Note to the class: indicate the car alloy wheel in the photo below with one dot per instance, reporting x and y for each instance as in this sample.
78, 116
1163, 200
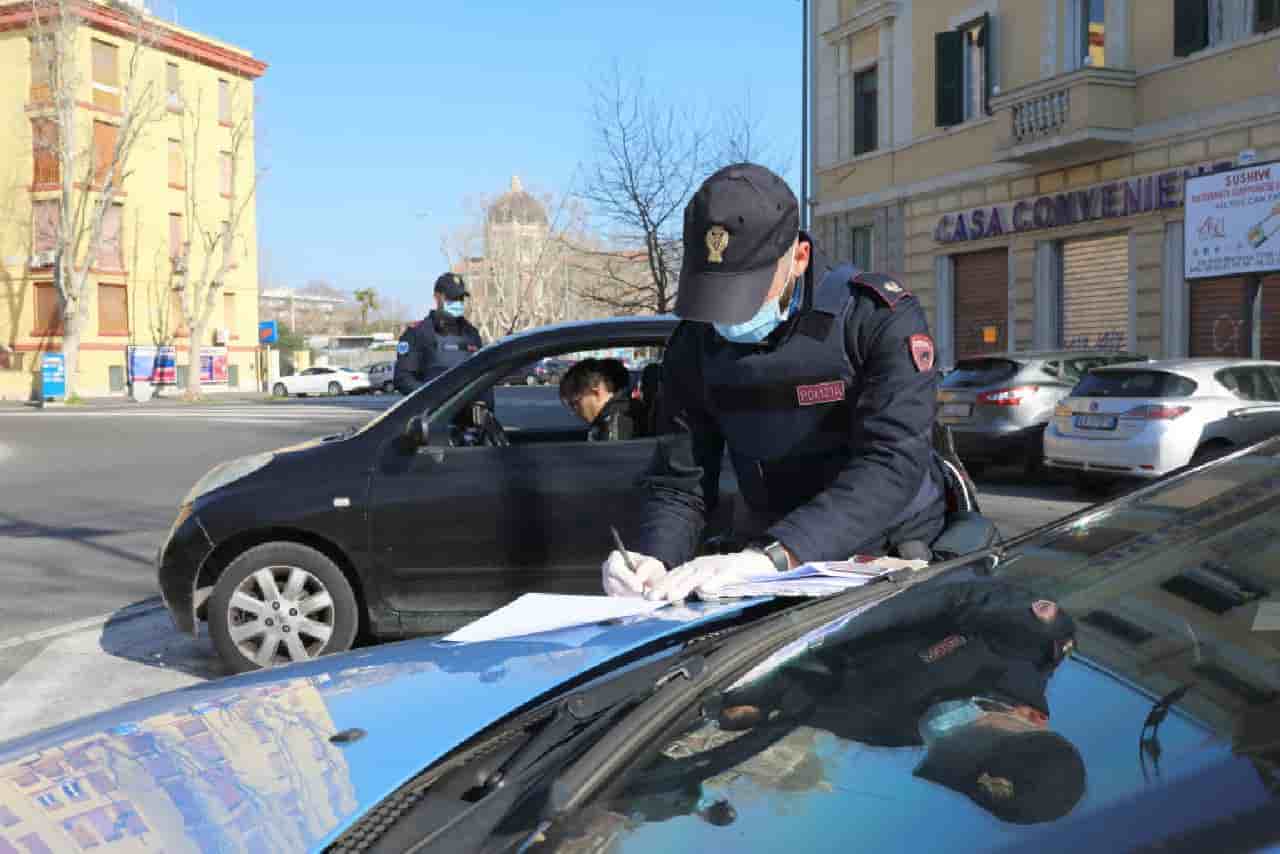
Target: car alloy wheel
530, 380
335, 389
388, 387
281, 603
280, 390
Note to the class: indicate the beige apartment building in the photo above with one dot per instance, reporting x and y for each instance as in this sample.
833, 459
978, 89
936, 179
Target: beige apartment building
1020, 163
132, 294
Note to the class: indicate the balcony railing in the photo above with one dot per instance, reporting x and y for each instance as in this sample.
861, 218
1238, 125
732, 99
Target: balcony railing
1089, 111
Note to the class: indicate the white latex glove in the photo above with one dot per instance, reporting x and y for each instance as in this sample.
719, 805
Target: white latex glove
620, 581
708, 575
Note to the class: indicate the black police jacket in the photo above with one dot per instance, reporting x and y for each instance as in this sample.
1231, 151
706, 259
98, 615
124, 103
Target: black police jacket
616, 421
432, 346
828, 424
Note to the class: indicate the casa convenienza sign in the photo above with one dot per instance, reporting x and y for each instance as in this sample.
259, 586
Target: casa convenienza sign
1109, 200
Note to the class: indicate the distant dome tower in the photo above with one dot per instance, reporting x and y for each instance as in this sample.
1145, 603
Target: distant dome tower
516, 222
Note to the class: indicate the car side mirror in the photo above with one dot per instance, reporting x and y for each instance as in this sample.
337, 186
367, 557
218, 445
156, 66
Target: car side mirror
416, 432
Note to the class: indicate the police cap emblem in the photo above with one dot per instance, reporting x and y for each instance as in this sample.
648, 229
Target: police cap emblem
717, 242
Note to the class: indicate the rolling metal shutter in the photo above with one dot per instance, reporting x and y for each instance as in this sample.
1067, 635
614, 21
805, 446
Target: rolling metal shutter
1271, 316
1095, 293
982, 302
1220, 318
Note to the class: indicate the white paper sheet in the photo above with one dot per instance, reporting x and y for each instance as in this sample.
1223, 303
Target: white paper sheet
544, 612
819, 578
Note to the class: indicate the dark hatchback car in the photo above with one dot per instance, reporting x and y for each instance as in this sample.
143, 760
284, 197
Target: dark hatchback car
998, 405
433, 513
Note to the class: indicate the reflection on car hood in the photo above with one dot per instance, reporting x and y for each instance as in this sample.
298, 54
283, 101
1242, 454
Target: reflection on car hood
248, 761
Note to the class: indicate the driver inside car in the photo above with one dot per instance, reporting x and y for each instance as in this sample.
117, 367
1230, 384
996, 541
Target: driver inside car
598, 392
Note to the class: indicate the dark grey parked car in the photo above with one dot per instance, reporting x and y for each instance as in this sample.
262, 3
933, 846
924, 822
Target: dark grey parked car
997, 405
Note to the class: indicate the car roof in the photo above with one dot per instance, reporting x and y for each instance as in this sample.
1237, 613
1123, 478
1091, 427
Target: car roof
1027, 355
1198, 366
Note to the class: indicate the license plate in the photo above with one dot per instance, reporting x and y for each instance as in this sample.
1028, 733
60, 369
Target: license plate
1096, 422
956, 410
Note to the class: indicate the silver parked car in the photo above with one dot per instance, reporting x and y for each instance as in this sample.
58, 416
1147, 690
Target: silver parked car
1150, 419
381, 376
997, 405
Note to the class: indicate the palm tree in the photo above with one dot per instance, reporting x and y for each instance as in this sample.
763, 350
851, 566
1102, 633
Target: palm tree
368, 299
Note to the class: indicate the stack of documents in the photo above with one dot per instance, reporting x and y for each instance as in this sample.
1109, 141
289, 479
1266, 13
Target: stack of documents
819, 578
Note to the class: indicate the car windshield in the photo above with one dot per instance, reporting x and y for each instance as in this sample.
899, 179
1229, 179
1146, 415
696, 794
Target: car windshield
972, 373
1013, 709
1134, 384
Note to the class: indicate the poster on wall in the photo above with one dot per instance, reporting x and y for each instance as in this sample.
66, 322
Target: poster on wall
155, 365
1232, 225
213, 365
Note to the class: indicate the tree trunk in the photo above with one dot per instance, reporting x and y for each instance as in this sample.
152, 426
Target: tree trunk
195, 342
71, 331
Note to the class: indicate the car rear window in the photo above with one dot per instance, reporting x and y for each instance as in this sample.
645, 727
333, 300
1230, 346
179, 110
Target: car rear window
1134, 384
971, 373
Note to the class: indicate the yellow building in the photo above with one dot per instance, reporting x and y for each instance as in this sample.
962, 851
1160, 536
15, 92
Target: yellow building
131, 299
1020, 163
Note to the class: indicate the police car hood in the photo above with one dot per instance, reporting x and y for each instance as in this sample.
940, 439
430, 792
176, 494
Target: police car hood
253, 760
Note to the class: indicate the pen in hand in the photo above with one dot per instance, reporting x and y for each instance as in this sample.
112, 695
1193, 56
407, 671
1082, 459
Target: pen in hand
626, 556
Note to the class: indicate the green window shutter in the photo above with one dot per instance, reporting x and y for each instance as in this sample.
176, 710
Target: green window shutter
1190, 26
987, 82
948, 76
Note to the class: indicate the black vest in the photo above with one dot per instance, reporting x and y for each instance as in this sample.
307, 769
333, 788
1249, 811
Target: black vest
450, 350
787, 410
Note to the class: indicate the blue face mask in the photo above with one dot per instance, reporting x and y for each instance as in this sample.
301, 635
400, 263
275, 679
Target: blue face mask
455, 308
767, 319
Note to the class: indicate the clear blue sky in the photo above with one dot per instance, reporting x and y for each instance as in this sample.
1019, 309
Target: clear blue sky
377, 123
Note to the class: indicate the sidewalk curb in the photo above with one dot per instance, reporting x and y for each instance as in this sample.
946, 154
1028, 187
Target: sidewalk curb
129, 612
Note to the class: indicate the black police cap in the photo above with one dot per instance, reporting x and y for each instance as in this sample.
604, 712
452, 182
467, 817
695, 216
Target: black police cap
1025, 777
452, 286
736, 227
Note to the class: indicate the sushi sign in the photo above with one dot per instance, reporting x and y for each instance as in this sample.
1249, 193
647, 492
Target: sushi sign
1232, 225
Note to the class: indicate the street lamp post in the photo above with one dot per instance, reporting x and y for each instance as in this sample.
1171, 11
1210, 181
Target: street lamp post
804, 114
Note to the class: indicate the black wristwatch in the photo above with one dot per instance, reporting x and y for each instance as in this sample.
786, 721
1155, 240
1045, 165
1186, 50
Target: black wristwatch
774, 551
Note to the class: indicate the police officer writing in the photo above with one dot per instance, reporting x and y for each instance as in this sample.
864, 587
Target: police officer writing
818, 380
439, 341
597, 391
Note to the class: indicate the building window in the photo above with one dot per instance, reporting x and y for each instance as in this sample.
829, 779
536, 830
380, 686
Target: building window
104, 153
111, 243
862, 247
962, 73
229, 312
224, 102
44, 151
46, 214
1198, 24
42, 55
48, 319
1090, 40
1266, 15
226, 171
177, 172
176, 236
113, 318
173, 87
865, 112
106, 76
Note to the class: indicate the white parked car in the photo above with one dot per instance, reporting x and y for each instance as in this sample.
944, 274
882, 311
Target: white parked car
331, 381
1145, 420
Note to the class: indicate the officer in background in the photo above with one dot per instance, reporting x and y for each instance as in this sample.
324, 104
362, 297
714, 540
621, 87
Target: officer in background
598, 392
439, 341
819, 382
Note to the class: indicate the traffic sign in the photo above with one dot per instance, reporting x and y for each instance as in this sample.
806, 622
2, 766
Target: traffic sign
268, 332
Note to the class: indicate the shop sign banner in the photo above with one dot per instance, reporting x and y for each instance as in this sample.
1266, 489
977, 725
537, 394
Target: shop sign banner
1232, 225
1111, 200
213, 365
155, 365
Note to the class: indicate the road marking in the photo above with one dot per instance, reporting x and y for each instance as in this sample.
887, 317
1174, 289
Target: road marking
128, 613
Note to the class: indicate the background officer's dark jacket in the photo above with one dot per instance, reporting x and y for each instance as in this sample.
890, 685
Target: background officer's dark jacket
616, 421
432, 346
840, 476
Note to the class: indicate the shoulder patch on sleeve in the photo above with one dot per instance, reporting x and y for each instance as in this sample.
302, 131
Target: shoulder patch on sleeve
885, 287
402, 348
922, 352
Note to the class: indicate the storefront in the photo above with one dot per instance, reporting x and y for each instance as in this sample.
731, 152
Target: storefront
981, 302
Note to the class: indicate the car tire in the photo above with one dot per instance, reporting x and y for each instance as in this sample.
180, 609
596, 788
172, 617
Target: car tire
279, 390
250, 633
531, 381
1210, 451
388, 387
975, 469
335, 389
1093, 486
1033, 462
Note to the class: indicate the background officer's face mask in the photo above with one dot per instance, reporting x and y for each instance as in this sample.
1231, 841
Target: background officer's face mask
767, 319
455, 308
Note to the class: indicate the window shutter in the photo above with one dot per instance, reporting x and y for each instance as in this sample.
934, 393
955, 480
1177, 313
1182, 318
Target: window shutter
229, 311
175, 235
986, 63
44, 138
104, 151
45, 215
224, 101
948, 73
225, 169
1190, 26
113, 310
48, 319
177, 174
110, 249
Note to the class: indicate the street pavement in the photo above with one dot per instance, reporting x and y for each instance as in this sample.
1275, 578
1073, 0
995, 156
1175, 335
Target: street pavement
87, 494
